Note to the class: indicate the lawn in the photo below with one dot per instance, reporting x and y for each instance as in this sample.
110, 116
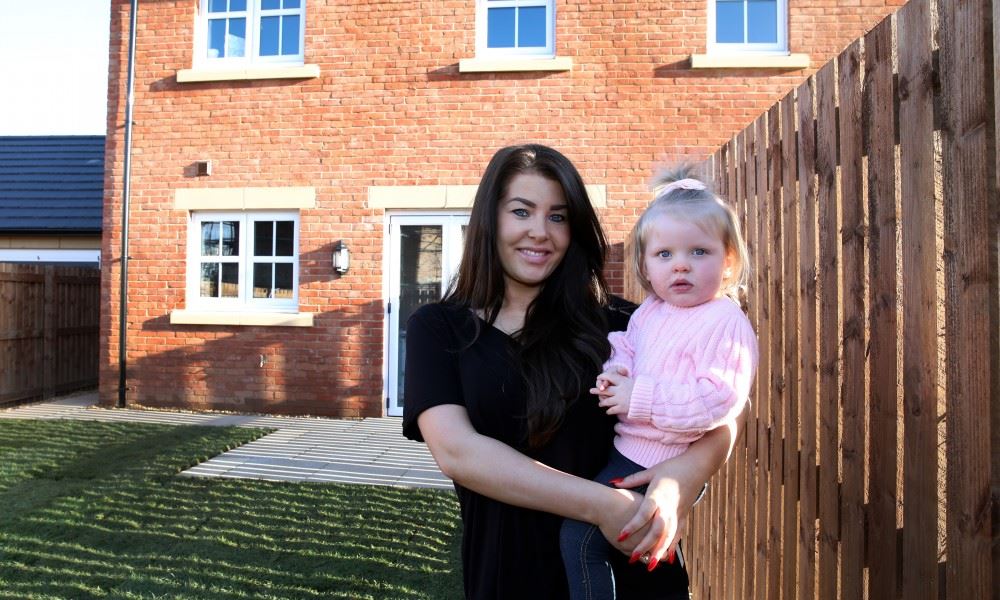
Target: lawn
97, 510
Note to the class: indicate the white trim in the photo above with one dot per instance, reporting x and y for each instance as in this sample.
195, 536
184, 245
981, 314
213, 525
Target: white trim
50, 255
194, 317
779, 47
482, 28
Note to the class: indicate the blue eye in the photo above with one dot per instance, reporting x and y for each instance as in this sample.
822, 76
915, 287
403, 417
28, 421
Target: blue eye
520, 212
664, 254
700, 252
557, 218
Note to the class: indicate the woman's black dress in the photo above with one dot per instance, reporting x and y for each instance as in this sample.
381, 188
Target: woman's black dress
508, 551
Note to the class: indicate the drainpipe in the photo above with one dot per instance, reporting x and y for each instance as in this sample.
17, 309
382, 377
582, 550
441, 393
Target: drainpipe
123, 296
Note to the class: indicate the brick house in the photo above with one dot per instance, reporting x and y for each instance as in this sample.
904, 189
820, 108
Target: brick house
269, 134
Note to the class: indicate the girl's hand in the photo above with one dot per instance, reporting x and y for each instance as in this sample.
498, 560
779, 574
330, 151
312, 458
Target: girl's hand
614, 390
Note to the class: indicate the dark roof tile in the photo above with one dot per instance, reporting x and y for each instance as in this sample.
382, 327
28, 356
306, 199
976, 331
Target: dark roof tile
51, 183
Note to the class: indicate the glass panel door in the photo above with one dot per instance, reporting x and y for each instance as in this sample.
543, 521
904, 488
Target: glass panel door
424, 254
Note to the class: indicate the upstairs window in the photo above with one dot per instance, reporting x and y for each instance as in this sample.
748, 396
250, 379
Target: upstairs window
241, 32
737, 26
243, 261
521, 28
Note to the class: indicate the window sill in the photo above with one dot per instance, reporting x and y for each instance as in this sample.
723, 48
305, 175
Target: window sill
195, 317
260, 72
496, 65
750, 61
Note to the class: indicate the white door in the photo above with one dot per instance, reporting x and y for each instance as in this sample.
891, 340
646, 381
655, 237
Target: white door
423, 257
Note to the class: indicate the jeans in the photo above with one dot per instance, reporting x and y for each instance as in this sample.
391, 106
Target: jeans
585, 552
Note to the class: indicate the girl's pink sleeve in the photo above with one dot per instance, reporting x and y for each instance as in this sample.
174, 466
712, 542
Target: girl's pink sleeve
715, 391
623, 342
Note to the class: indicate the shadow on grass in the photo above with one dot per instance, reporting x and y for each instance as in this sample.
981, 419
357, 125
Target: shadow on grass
96, 510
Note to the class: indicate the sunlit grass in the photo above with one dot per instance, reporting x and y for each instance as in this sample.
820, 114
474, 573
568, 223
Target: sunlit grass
96, 510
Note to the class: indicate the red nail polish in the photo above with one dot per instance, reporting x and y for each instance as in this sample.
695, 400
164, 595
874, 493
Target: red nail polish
671, 556
635, 557
616, 480
624, 534
652, 564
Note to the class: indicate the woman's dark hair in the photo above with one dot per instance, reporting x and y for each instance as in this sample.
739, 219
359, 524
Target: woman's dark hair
563, 342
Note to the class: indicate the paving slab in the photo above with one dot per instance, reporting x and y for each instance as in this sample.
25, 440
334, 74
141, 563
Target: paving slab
367, 451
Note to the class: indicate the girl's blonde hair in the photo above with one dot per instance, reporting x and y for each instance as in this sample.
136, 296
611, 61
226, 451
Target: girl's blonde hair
693, 201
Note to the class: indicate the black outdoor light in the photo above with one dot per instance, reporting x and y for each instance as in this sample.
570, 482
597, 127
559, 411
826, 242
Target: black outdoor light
341, 257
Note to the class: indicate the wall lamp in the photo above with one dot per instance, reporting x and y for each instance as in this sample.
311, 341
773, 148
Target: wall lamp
341, 257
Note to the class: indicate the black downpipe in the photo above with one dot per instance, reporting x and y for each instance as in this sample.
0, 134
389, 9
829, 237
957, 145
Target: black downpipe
123, 297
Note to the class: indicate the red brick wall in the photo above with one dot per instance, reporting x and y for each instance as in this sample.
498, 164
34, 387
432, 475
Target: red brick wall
390, 108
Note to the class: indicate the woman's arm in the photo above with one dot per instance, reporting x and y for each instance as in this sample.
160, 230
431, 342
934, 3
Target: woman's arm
494, 469
674, 485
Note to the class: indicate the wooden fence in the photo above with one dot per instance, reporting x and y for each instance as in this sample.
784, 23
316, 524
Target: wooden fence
869, 468
49, 328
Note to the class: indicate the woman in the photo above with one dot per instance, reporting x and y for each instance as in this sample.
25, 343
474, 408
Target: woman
497, 384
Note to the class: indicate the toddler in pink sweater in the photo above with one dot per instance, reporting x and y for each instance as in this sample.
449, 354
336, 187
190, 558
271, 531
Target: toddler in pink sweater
686, 362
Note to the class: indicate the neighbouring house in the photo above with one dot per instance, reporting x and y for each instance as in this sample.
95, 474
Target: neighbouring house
275, 139
51, 197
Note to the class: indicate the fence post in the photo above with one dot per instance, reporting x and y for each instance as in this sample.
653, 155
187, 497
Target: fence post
970, 247
49, 334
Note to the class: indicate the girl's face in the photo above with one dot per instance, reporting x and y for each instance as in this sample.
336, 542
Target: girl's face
684, 263
532, 231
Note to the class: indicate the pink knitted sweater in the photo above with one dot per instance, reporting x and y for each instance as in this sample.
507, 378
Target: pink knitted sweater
692, 369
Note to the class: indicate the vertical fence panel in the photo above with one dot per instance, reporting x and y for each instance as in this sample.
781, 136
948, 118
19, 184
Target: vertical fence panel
970, 209
808, 492
882, 322
790, 266
919, 302
776, 377
728, 576
853, 396
829, 329
995, 404
753, 450
740, 552
764, 333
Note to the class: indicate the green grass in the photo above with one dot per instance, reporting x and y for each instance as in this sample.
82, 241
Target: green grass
96, 510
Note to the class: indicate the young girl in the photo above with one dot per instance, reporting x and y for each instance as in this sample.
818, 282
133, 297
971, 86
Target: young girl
685, 363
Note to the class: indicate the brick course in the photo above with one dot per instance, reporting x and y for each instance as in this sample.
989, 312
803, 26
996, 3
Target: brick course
390, 108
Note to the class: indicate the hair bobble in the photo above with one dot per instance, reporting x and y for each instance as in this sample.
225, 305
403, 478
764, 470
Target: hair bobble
681, 184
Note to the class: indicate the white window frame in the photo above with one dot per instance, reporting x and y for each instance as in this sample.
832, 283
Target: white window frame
244, 302
779, 47
482, 51
252, 52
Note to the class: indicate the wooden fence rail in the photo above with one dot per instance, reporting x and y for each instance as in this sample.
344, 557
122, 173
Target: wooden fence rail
49, 328
870, 465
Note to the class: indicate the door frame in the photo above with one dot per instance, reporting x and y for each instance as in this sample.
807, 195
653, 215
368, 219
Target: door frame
390, 283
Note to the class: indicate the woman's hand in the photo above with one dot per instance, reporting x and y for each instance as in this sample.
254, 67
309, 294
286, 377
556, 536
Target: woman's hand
613, 518
659, 519
673, 487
